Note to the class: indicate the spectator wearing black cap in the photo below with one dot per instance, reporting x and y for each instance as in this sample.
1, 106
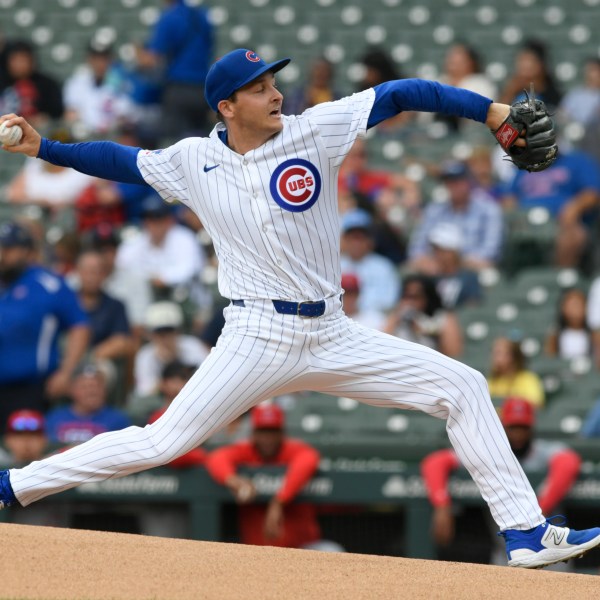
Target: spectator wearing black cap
472, 210
27, 91
94, 96
173, 377
36, 307
111, 337
124, 284
380, 281
165, 253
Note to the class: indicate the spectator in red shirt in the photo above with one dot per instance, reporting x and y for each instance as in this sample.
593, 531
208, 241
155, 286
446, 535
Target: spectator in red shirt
358, 177
281, 522
518, 417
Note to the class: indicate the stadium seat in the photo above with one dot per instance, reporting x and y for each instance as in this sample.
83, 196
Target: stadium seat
561, 420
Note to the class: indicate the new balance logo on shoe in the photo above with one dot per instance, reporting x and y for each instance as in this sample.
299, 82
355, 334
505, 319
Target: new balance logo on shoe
547, 544
557, 535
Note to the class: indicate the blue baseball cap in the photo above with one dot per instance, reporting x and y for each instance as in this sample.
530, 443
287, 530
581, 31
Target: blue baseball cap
356, 219
12, 234
154, 207
453, 169
233, 71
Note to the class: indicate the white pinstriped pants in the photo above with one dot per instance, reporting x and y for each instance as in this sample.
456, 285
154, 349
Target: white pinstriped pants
261, 354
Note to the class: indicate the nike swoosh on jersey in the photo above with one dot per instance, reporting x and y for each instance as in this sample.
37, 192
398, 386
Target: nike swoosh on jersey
207, 168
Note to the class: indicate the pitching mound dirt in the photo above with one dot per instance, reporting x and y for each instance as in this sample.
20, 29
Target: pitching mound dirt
65, 564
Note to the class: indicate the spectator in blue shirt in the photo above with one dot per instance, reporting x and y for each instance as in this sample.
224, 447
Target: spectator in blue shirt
110, 332
380, 280
591, 424
456, 285
87, 415
472, 211
181, 45
36, 307
570, 191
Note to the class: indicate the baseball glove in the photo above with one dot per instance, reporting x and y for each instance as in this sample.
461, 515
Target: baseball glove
532, 116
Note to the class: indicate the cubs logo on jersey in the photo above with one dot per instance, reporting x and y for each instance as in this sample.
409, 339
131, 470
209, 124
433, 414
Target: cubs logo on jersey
295, 185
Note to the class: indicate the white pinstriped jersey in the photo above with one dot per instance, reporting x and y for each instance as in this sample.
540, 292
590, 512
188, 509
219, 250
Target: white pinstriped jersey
271, 213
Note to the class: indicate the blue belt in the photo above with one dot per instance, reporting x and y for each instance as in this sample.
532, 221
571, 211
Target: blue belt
301, 309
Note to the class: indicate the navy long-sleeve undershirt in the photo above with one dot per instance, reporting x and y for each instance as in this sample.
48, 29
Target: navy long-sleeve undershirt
110, 160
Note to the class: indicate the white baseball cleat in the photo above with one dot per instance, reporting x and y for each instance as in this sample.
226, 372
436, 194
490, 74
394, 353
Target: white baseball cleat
547, 544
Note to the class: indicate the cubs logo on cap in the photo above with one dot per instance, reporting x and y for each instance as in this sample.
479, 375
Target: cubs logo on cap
233, 71
295, 185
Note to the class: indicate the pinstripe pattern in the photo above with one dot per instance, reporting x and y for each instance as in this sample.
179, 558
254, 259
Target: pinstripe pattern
268, 252
261, 354
265, 251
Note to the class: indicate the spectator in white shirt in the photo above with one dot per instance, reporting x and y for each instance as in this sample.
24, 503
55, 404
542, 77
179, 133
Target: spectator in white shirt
379, 279
48, 186
166, 254
369, 318
94, 95
164, 321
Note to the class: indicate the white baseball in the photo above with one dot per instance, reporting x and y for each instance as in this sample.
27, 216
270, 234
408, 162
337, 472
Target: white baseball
10, 136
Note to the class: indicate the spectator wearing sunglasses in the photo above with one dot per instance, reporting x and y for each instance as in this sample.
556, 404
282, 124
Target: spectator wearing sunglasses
25, 440
25, 437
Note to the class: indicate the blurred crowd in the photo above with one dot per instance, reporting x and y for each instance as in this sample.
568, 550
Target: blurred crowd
108, 298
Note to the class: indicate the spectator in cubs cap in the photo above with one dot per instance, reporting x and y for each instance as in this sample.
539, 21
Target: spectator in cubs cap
14, 235
25, 436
